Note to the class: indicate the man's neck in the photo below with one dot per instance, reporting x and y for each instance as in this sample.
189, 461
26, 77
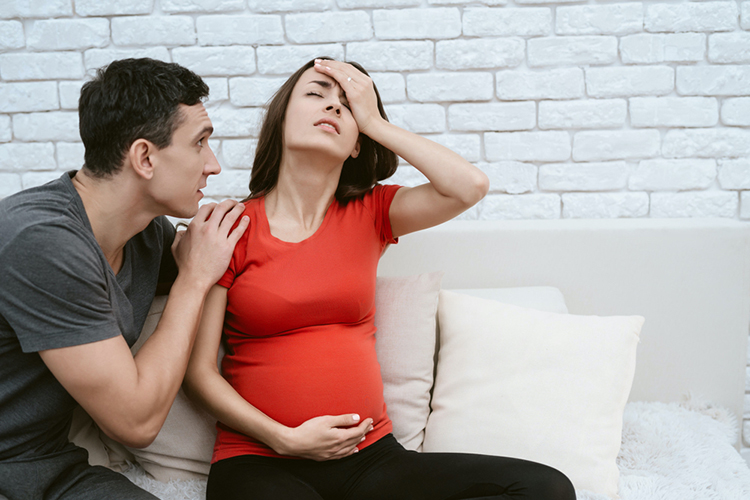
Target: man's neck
114, 211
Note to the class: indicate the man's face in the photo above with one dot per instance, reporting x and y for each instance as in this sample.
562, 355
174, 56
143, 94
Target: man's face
181, 169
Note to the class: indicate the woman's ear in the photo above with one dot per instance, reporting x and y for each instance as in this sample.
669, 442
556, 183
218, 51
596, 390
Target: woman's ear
139, 155
355, 151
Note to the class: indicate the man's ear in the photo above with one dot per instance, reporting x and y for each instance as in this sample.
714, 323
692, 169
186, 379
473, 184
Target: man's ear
355, 151
139, 155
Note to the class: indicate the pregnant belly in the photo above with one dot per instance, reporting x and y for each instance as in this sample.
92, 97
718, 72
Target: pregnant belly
295, 377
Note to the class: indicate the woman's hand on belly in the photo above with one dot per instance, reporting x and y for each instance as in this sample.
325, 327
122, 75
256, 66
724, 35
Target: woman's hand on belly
324, 438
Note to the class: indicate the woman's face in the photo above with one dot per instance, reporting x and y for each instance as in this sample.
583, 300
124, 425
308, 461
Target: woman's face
318, 118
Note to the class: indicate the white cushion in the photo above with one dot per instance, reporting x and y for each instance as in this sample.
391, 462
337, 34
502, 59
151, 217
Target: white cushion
405, 318
543, 298
541, 386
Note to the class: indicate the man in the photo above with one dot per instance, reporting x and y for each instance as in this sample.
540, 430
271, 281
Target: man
80, 258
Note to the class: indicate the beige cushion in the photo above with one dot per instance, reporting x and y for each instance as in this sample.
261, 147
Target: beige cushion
536, 385
405, 317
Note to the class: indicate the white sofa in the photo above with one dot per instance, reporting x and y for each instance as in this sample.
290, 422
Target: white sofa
689, 279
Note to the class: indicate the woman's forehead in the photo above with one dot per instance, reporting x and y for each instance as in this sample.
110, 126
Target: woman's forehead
311, 75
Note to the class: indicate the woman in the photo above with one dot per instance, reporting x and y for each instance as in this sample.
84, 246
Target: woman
300, 404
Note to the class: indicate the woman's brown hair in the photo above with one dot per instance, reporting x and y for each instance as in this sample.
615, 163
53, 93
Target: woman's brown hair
374, 162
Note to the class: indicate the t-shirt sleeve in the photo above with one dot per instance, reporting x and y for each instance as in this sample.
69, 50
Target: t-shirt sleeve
238, 256
54, 289
378, 203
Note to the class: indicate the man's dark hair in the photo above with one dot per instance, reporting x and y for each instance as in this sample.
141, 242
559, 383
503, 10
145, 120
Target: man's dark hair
133, 99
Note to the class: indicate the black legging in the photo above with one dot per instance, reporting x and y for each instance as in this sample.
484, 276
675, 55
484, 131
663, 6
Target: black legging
386, 471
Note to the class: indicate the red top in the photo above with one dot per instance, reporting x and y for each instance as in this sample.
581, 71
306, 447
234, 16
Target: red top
299, 327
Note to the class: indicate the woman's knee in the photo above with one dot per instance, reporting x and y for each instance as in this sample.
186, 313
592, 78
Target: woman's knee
551, 484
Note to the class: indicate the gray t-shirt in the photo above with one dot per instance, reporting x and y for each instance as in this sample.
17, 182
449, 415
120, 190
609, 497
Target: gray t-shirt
58, 290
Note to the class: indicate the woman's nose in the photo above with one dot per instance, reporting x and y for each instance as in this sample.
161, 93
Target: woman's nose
337, 109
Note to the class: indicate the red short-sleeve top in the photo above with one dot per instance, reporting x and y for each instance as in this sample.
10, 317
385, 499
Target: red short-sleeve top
299, 328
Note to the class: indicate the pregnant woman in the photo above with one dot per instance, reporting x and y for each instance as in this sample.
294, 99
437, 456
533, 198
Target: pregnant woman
299, 399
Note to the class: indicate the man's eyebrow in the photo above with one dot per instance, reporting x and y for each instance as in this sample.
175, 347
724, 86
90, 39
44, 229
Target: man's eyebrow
209, 130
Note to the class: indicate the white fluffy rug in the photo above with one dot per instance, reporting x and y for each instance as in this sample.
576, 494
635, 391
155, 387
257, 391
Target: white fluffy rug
669, 452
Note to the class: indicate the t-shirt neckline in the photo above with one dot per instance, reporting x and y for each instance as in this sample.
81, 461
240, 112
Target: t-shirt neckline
267, 225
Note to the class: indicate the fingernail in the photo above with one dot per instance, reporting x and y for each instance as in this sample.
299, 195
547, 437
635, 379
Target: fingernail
363, 438
356, 450
355, 417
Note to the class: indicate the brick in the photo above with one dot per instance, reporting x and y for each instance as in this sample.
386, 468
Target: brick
239, 153
557, 83
691, 16
695, 204
218, 90
418, 24
239, 30
468, 146
20, 157
529, 21
524, 206
645, 48
9, 184
6, 132
253, 91
604, 205
231, 122
266, 6
97, 58
674, 112
480, 53
31, 96
616, 19
289, 58
736, 111
219, 61
156, 30
745, 214
628, 81
463, 2
34, 179
527, 146
465, 86
734, 174
673, 175
605, 176
512, 177
391, 86
746, 412
41, 66
729, 48
228, 184
36, 8
376, 4
706, 143
70, 155
391, 56
50, 126
113, 7
70, 92
11, 35
572, 51
201, 5
713, 80
492, 116
615, 145
592, 113
68, 34
524, 2
745, 15
417, 118
328, 27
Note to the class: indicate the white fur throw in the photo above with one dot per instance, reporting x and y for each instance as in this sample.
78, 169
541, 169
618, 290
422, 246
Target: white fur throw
669, 452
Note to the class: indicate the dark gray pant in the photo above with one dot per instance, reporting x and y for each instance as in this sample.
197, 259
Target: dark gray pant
65, 475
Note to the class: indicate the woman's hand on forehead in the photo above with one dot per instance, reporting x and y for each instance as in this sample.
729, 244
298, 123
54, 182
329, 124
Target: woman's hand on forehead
358, 87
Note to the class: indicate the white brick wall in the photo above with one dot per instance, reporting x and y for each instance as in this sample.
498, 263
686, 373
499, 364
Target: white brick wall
573, 108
